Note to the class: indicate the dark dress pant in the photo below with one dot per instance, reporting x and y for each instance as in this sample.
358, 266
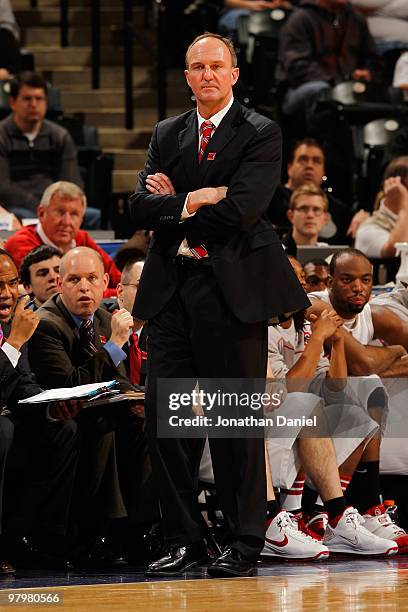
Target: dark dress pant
196, 336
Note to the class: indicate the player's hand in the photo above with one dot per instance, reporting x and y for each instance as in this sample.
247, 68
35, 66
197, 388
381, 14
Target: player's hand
326, 325
159, 184
64, 410
23, 325
121, 324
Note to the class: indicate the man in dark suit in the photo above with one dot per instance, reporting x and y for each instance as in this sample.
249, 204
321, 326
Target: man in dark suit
214, 275
77, 343
40, 465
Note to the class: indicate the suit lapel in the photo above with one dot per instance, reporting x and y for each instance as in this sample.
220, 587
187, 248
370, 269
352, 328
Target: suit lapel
221, 138
100, 331
65, 313
188, 145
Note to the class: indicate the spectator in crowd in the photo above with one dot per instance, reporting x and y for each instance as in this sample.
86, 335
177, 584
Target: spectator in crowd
10, 59
234, 9
77, 342
376, 237
307, 214
399, 144
323, 42
401, 73
387, 21
34, 152
306, 164
39, 273
60, 214
41, 475
316, 273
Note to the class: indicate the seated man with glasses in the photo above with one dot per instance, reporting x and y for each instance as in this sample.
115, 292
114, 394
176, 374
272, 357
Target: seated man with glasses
307, 214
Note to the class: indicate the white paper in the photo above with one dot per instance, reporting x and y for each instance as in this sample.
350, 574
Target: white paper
64, 393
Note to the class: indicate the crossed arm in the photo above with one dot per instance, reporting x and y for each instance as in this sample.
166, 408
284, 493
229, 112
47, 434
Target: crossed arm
363, 360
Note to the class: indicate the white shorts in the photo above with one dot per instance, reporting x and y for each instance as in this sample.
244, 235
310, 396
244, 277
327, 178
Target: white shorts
350, 426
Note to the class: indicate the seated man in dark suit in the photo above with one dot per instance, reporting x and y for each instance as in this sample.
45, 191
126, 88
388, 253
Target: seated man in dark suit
77, 342
41, 464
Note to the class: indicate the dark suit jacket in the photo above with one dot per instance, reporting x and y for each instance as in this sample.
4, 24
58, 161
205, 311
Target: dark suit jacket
256, 279
18, 383
56, 355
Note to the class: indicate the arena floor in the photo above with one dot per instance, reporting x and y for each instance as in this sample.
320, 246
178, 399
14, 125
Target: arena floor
341, 585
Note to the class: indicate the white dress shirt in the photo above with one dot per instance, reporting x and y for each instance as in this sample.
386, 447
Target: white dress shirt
215, 120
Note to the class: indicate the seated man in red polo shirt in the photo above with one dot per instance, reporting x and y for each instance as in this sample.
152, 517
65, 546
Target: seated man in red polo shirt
60, 215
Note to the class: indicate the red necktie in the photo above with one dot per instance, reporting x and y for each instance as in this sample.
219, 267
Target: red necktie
135, 359
206, 130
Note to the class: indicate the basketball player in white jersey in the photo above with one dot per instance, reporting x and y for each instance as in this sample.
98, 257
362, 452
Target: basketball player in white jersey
295, 354
349, 290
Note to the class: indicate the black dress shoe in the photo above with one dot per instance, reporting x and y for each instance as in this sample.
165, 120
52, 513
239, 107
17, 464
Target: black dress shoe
146, 546
27, 554
231, 563
98, 555
179, 560
6, 568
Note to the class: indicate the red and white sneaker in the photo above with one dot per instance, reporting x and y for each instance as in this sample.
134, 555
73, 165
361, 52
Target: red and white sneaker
377, 520
283, 539
349, 536
314, 525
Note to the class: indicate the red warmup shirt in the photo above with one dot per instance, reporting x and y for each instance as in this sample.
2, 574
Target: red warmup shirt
26, 239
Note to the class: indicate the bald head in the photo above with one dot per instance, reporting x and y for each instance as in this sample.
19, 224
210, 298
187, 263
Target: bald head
75, 257
82, 281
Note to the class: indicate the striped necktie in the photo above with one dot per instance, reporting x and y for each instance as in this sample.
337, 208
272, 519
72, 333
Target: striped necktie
206, 130
87, 337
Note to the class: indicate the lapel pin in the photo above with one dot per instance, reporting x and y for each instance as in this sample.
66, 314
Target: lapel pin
211, 156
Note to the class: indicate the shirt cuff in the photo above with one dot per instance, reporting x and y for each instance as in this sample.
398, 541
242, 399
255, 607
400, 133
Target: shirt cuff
115, 352
184, 213
12, 353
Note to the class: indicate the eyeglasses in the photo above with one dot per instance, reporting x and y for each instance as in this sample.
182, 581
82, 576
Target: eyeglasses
304, 210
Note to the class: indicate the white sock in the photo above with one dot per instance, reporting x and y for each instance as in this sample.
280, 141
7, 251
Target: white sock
291, 499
